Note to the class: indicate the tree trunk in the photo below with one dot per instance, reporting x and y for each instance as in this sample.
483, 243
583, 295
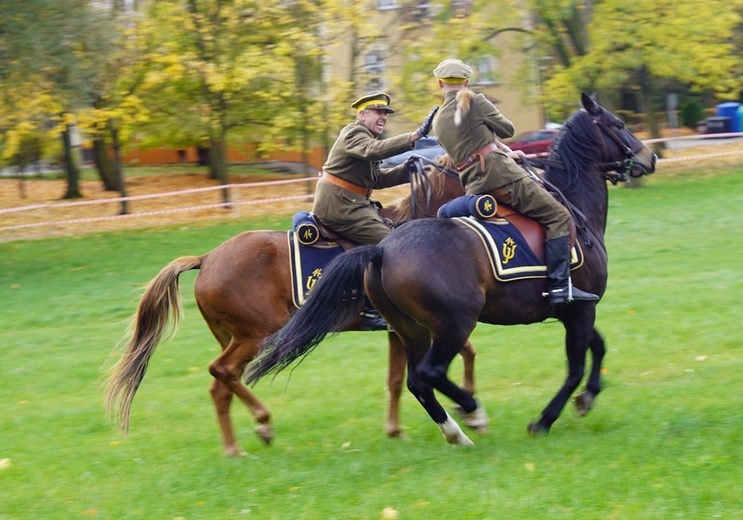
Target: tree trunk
71, 167
218, 166
103, 165
647, 95
118, 171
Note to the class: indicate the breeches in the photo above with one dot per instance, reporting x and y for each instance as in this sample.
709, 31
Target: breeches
529, 198
367, 227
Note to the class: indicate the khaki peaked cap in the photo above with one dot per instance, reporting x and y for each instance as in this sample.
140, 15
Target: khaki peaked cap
452, 71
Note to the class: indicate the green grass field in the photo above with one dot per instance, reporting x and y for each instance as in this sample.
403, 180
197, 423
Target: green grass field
664, 440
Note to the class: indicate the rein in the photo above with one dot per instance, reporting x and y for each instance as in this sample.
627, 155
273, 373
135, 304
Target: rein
419, 180
579, 217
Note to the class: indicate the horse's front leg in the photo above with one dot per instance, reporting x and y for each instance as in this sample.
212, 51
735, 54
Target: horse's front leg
578, 332
584, 400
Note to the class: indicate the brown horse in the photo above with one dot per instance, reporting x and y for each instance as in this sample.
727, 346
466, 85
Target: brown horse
432, 280
244, 293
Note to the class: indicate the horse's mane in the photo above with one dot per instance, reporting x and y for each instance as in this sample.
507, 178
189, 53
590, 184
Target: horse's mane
403, 207
575, 147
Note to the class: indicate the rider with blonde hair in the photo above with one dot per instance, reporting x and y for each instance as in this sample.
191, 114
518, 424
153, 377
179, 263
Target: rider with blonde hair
469, 127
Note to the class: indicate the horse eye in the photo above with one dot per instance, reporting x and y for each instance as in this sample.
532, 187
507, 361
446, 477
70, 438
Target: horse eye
620, 124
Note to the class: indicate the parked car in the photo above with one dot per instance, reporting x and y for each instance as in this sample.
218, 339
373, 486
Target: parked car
427, 147
534, 142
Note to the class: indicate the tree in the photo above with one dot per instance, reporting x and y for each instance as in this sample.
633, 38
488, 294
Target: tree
641, 43
60, 63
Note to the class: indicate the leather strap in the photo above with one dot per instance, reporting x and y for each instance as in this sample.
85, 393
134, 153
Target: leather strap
473, 158
337, 181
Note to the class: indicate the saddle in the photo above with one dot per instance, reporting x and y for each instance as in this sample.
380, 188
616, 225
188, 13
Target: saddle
532, 231
311, 232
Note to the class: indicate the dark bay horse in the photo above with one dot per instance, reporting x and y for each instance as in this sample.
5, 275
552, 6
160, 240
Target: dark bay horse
432, 280
244, 293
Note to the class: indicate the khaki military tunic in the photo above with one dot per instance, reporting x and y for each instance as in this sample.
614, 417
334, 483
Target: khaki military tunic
355, 158
501, 177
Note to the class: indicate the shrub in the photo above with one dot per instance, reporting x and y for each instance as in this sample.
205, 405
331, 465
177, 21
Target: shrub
692, 112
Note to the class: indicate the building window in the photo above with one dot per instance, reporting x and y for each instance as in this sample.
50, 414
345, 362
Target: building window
487, 70
374, 68
384, 5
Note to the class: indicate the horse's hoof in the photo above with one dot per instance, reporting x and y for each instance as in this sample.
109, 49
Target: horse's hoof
453, 433
265, 432
394, 433
583, 403
235, 451
477, 420
536, 428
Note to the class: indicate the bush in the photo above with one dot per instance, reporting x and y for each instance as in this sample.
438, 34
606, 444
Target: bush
692, 112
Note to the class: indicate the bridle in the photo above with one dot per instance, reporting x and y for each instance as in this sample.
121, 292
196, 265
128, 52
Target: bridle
419, 180
613, 171
617, 171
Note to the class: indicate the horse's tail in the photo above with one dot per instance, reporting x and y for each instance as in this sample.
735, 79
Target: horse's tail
464, 99
159, 306
334, 302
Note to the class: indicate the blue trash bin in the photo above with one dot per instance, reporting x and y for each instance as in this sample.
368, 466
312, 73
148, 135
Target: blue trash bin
730, 110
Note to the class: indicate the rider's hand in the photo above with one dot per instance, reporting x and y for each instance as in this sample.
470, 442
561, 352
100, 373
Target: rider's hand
425, 127
412, 164
516, 155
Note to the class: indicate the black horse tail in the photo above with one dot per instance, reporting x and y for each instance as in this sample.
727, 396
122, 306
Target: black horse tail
334, 302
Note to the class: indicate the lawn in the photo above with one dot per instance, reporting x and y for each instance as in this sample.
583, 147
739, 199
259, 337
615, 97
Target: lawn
663, 441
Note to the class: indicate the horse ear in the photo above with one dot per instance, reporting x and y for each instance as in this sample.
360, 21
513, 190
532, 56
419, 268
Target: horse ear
590, 103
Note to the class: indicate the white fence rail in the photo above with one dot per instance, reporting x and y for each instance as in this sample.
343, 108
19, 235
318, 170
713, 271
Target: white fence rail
236, 190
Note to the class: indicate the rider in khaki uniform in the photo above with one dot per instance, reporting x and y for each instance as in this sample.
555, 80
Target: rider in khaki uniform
343, 195
469, 127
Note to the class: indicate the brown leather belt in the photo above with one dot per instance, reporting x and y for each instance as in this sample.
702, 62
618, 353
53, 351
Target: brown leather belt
337, 181
477, 156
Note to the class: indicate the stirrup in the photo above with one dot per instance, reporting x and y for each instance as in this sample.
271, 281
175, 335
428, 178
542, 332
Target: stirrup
560, 295
372, 321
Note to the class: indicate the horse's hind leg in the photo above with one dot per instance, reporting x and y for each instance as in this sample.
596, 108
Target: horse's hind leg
433, 370
584, 400
395, 379
468, 354
227, 370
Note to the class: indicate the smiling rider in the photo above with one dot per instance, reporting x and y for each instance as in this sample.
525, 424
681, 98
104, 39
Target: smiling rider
343, 195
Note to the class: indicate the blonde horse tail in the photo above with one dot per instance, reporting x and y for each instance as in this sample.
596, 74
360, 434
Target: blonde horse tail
159, 307
464, 99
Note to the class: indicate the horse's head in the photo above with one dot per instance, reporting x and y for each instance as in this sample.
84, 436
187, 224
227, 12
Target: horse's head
620, 151
594, 139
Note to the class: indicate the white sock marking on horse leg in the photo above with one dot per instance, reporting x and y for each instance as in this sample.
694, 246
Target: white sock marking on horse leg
477, 419
453, 433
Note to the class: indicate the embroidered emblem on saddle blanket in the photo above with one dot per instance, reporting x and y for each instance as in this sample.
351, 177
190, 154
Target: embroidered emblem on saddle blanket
510, 256
306, 264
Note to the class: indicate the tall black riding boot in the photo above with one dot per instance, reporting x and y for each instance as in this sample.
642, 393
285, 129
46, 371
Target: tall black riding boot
372, 320
560, 289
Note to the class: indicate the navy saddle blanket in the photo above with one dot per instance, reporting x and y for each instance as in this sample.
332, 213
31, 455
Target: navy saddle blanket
510, 256
306, 264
